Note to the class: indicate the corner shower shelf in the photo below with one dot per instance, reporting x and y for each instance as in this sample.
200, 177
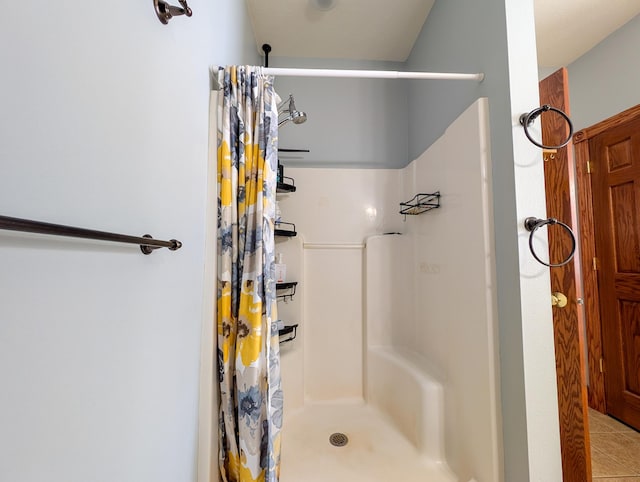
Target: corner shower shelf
291, 330
290, 286
287, 185
420, 203
287, 232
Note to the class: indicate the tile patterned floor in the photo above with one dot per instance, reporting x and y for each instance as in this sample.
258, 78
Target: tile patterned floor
615, 450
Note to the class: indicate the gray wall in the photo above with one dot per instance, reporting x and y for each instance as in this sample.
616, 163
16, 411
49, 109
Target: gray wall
605, 80
104, 124
458, 36
351, 122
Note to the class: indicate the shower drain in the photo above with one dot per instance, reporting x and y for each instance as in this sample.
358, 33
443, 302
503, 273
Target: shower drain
338, 439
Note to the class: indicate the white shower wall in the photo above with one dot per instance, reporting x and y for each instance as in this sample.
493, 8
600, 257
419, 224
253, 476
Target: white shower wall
454, 326
337, 208
440, 283
342, 205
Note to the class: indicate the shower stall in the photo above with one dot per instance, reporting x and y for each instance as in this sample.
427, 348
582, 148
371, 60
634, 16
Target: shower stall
392, 374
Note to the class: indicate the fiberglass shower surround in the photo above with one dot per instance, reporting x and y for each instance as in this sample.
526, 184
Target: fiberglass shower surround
381, 325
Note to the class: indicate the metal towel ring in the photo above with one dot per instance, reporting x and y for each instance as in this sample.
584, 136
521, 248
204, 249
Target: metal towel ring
527, 119
532, 224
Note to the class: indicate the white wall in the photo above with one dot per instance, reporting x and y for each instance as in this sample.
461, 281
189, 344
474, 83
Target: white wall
333, 207
104, 124
342, 205
454, 324
290, 311
604, 81
390, 318
333, 325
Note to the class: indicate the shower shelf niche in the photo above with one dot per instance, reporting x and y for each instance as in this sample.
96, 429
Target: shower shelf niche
287, 232
290, 286
291, 330
420, 203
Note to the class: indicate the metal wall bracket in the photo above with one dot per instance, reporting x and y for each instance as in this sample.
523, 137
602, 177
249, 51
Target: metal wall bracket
166, 12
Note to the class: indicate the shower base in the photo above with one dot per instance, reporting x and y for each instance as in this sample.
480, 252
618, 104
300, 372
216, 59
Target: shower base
376, 450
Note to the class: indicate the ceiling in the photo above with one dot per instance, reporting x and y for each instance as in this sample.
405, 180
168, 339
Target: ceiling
566, 29
369, 30
352, 29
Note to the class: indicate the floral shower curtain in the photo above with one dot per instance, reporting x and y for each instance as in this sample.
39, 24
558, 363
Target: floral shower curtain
251, 402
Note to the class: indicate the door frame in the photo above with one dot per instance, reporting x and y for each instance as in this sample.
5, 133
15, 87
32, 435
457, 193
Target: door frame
596, 390
568, 322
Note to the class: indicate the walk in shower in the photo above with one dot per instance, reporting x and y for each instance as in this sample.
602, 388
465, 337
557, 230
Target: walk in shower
395, 345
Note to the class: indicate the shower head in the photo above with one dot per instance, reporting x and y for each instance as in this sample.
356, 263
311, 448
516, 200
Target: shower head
298, 117
290, 113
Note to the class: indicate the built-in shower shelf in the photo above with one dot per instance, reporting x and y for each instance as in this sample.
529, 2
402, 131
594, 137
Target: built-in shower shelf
290, 331
420, 203
286, 185
287, 230
289, 286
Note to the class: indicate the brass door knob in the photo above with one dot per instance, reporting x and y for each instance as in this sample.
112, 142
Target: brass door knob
558, 299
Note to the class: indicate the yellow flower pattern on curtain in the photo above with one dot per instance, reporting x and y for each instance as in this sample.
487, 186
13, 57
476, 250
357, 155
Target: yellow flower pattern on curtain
251, 402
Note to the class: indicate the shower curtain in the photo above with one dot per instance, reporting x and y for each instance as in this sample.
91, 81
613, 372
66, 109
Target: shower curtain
251, 402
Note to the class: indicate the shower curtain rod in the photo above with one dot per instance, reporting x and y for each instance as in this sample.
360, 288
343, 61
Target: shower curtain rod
370, 74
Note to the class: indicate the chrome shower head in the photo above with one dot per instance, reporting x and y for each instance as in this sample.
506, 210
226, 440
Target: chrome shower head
291, 113
298, 117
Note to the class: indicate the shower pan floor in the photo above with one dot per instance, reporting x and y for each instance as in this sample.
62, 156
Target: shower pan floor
375, 452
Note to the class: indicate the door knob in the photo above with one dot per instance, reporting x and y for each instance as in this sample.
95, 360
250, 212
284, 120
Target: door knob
558, 299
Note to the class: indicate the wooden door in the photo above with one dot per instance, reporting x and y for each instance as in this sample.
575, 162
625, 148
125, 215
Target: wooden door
567, 322
615, 180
